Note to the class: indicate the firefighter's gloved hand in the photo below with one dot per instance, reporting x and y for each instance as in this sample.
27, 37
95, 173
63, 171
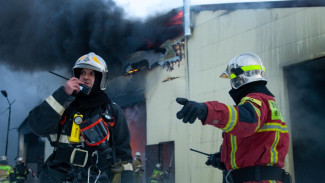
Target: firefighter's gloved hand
215, 161
191, 110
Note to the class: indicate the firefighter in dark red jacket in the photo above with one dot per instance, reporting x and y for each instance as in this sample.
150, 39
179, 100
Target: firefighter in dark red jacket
89, 133
255, 136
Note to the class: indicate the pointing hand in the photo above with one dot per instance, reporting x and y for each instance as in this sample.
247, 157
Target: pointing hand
191, 110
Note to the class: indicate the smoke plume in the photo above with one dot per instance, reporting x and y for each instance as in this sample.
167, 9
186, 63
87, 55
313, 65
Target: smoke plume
43, 35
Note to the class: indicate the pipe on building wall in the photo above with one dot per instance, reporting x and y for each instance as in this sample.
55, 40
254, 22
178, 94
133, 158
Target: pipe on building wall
187, 34
187, 23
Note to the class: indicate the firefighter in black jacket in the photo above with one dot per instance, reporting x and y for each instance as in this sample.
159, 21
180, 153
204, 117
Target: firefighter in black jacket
89, 133
20, 171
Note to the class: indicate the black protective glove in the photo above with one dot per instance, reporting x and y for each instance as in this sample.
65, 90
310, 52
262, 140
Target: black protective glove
215, 161
191, 110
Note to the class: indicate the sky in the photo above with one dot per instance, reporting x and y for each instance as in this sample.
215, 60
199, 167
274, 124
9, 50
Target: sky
28, 82
148, 8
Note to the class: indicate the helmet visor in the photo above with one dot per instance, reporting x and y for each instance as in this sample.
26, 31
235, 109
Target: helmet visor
225, 75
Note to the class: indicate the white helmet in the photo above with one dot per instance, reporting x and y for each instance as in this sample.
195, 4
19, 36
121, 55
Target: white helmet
244, 68
3, 158
93, 62
19, 160
158, 166
137, 154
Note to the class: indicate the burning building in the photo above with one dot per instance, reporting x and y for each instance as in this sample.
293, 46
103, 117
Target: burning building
289, 37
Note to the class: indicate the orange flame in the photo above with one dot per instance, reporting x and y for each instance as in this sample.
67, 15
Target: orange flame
132, 71
177, 19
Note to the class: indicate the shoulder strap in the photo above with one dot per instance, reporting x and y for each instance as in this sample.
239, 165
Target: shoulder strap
110, 115
255, 101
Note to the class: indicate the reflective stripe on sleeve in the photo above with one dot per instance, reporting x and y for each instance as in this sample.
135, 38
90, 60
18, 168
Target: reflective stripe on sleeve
273, 127
273, 152
63, 138
232, 120
55, 105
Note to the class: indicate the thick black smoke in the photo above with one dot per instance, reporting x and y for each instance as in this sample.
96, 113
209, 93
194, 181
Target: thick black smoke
43, 35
